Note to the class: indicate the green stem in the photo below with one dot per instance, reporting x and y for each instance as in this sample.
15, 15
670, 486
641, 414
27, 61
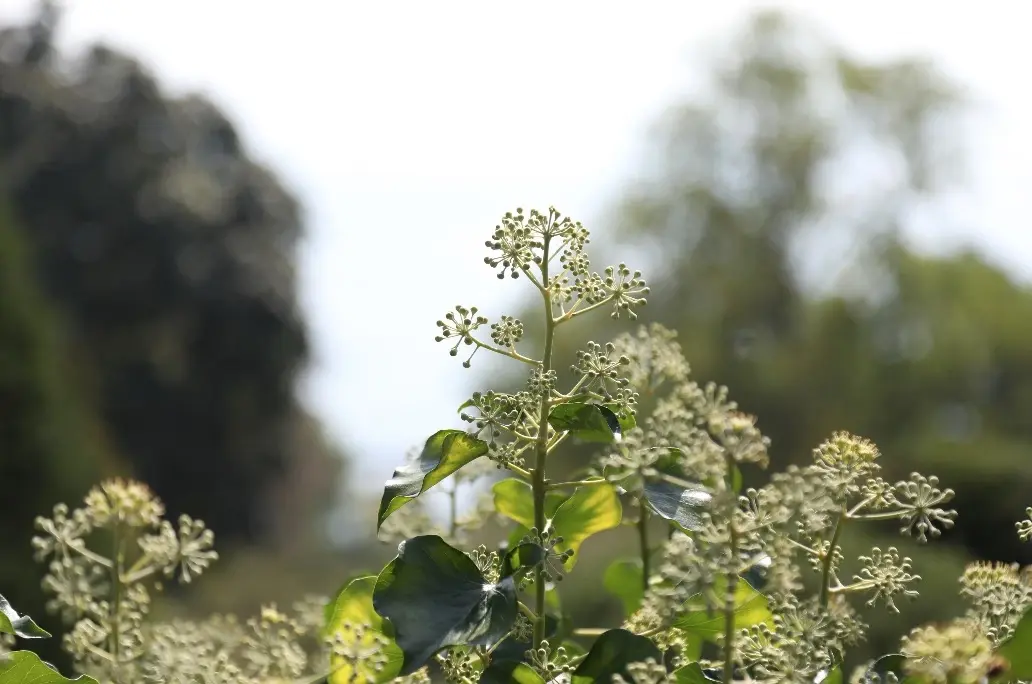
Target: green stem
116, 603
540, 483
829, 558
453, 511
732, 578
643, 541
575, 483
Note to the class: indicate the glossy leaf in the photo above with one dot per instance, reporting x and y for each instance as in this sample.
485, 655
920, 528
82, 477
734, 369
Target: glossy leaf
25, 667
354, 606
587, 422
750, 609
510, 672
590, 510
677, 500
612, 653
690, 674
1018, 651
19, 625
626, 421
435, 596
444, 453
623, 579
514, 498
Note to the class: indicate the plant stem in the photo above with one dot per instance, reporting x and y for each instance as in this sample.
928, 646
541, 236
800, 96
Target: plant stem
643, 541
540, 483
829, 558
576, 483
116, 603
732, 578
453, 511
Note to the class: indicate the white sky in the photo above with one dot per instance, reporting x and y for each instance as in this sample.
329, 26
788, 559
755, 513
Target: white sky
402, 127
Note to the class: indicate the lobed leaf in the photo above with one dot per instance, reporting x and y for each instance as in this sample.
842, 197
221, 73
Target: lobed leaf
354, 607
510, 672
444, 452
434, 596
590, 510
25, 667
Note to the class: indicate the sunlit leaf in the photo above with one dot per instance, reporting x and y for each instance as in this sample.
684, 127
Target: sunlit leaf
354, 606
751, 609
623, 579
590, 510
435, 596
444, 453
19, 625
587, 422
514, 498
25, 667
612, 653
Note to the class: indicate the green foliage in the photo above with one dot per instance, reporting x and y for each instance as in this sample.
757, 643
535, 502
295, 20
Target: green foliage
586, 422
589, 510
19, 625
434, 596
365, 648
21, 667
612, 653
624, 579
697, 615
445, 452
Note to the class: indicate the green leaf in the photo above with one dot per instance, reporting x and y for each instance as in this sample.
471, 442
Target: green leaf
354, 606
444, 453
690, 674
591, 509
750, 609
677, 500
623, 579
1018, 650
514, 498
522, 556
612, 653
834, 676
19, 625
587, 422
510, 672
435, 596
626, 421
25, 667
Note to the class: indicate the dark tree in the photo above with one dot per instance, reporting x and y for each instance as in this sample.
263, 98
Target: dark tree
170, 253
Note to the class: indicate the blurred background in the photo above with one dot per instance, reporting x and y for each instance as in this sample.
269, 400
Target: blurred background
227, 229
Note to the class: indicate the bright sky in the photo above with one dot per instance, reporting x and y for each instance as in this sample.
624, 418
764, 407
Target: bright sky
406, 130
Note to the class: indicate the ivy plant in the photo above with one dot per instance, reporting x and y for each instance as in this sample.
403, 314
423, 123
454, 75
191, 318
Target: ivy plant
721, 595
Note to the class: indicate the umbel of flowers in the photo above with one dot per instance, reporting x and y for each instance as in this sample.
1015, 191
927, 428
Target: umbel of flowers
721, 596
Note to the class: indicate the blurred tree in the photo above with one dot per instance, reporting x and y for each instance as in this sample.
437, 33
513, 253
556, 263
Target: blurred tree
171, 254
770, 225
51, 447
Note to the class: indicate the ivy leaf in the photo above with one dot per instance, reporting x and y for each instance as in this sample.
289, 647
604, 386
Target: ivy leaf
24, 667
612, 653
690, 674
354, 606
435, 597
623, 579
19, 625
591, 509
444, 452
677, 500
510, 672
627, 421
514, 498
750, 609
522, 556
587, 422
832, 676
1018, 651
